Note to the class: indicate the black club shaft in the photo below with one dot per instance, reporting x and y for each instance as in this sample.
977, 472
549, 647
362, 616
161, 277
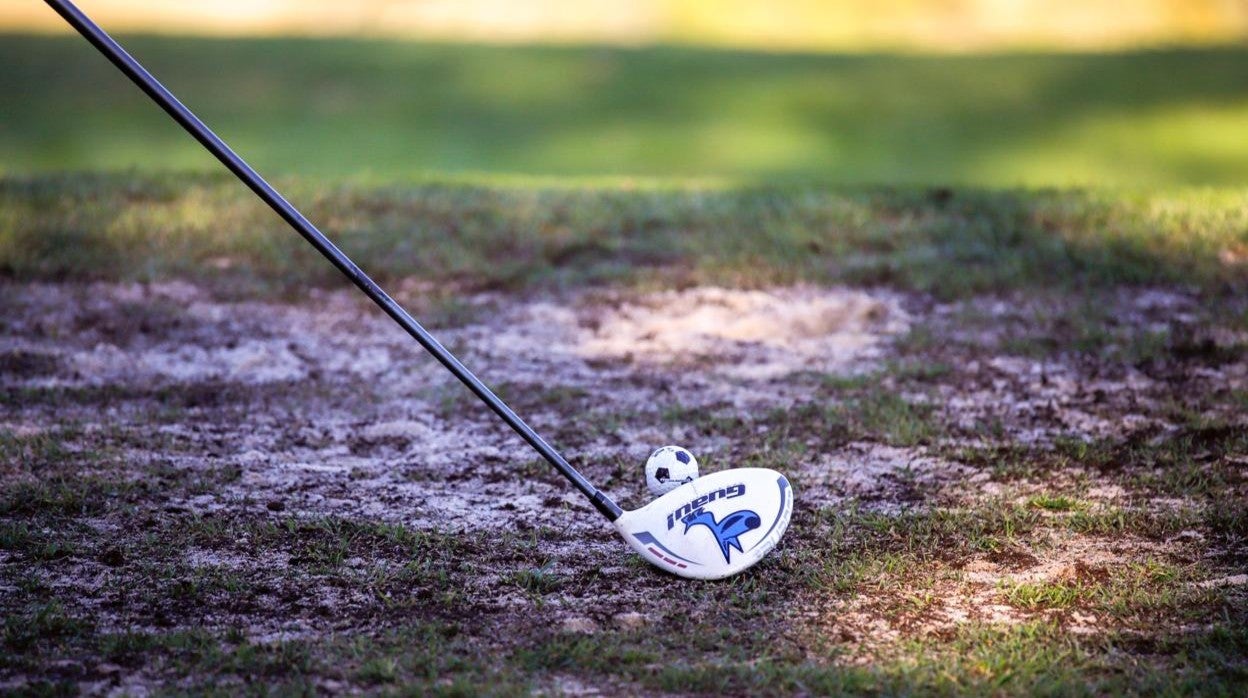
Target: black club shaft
163, 97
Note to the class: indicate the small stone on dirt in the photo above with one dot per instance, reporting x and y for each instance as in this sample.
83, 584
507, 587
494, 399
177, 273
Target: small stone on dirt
980, 566
629, 621
1232, 580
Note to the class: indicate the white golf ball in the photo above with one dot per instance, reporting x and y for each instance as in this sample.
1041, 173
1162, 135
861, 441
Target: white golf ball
669, 468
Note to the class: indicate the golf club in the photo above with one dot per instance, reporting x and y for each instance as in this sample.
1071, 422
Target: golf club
691, 531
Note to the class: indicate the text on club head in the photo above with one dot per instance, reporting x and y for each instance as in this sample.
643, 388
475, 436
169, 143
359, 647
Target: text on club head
693, 505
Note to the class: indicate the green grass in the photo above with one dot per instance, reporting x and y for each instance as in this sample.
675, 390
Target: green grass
1036, 595
1134, 593
1035, 658
1054, 502
35, 451
333, 107
35, 545
865, 407
423, 658
208, 228
536, 580
40, 623
1090, 326
63, 496
409, 635
1196, 461
891, 417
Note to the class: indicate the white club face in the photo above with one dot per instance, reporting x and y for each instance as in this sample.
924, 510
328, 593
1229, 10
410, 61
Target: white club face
712, 527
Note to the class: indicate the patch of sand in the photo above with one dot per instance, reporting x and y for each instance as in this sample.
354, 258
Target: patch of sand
749, 334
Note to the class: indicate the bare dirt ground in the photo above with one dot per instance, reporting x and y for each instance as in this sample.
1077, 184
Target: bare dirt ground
300, 475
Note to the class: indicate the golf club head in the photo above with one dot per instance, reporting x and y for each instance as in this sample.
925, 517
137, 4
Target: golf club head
713, 527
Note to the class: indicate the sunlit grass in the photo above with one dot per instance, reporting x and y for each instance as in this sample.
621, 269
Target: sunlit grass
543, 235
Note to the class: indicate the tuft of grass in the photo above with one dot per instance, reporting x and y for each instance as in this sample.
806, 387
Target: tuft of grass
63, 496
891, 417
41, 624
1228, 519
18, 537
1133, 594
425, 658
1037, 595
1054, 502
35, 451
704, 419
536, 580
1130, 520
854, 408
378, 670
922, 371
586, 654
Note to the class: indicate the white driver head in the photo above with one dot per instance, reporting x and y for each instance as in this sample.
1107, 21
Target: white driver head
713, 527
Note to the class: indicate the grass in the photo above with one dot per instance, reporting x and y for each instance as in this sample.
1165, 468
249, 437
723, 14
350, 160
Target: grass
1036, 658
19, 538
323, 108
974, 659
536, 580
1054, 502
426, 658
426, 603
208, 229
1032, 596
63, 496
1091, 327
1195, 461
35, 451
1137, 592
895, 419
866, 407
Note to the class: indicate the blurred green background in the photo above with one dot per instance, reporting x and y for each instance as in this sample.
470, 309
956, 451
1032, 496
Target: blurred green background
912, 92
951, 146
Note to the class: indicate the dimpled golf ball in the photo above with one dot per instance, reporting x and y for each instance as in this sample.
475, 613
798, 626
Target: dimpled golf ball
668, 468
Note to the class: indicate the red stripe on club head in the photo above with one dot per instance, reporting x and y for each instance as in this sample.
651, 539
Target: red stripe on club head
665, 558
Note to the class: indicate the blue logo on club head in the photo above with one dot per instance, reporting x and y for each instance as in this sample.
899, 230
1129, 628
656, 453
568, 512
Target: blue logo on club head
728, 531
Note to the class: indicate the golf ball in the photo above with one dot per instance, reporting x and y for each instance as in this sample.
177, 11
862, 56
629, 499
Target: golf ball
668, 468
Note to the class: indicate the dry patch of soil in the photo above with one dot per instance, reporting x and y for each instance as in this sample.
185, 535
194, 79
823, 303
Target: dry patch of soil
260, 421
